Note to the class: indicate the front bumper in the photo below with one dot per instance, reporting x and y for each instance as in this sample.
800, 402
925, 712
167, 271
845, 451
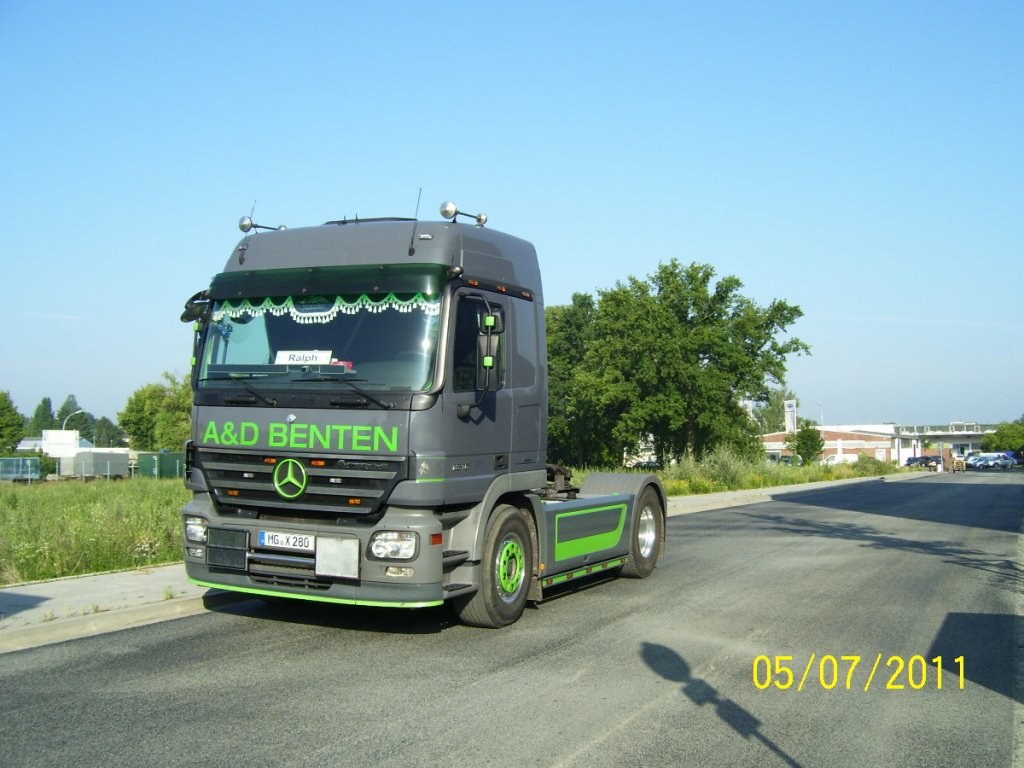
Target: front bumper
232, 559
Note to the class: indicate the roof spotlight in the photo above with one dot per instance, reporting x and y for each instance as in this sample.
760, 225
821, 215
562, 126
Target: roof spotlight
450, 210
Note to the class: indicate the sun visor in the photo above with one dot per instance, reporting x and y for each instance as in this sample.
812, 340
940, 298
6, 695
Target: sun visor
390, 278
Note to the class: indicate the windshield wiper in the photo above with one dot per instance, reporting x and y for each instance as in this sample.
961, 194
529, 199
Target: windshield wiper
340, 377
297, 376
254, 394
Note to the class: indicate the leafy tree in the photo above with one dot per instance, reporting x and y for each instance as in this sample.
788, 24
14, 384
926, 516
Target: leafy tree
12, 424
1009, 436
575, 437
108, 434
138, 419
807, 443
174, 420
158, 416
42, 418
670, 358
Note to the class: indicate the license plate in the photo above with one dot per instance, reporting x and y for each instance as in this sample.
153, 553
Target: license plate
279, 540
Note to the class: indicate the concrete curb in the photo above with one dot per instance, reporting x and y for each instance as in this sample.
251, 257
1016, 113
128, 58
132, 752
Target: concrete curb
35, 635
42, 613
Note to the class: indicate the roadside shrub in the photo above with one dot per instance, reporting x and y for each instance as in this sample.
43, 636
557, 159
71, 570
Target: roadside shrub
869, 466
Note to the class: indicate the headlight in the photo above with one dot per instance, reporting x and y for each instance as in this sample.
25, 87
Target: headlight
195, 529
393, 545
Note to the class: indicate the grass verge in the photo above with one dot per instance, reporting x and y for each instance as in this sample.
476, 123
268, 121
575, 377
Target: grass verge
51, 530
723, 470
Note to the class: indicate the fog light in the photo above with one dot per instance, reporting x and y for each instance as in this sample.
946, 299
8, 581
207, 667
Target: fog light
196, 552
195, 529
393, 545
399, 570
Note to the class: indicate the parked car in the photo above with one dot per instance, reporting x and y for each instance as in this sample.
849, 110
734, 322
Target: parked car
932, 461
999, 462
846, 458
916, 461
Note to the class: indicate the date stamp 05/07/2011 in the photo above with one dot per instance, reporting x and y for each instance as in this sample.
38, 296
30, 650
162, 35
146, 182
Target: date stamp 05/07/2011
846, 672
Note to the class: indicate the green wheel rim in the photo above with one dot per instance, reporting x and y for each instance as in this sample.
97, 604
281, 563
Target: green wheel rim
511, 570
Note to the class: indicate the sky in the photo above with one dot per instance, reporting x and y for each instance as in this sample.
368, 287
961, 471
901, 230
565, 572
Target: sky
863, 161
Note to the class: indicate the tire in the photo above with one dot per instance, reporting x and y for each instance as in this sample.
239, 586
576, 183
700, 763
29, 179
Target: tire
648, 536
505, 572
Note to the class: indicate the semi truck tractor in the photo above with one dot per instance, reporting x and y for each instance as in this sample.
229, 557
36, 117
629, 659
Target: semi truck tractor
370, 424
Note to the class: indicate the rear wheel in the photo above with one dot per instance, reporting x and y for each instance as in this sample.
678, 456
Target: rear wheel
648, 535
505, 572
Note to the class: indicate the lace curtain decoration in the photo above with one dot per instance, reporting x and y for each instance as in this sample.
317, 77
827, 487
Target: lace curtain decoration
325, 311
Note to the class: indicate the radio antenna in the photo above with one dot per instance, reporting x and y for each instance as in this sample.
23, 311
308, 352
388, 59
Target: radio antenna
416, 220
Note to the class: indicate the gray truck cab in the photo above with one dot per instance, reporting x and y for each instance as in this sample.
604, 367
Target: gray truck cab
369, 404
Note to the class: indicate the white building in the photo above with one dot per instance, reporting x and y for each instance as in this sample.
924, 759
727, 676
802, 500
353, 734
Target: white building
891, 442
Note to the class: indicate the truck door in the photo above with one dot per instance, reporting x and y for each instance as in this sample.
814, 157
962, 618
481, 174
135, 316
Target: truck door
477, 402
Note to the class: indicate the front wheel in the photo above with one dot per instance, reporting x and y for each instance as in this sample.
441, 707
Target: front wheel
648, 535
506, 570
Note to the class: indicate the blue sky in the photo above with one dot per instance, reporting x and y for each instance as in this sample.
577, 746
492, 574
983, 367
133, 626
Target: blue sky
862, 160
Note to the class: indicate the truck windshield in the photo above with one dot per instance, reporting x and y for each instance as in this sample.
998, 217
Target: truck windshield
383, 342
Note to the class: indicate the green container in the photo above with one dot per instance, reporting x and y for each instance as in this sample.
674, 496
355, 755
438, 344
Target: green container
161, 466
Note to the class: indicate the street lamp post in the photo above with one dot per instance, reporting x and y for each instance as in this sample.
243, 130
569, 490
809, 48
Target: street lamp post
65, 424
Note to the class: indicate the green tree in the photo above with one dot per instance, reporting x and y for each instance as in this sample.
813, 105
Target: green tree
138, 419
42, 418
108, 434
174, 420
576, 422
158, 416
12, 424
1009, 436
807, 443
670, 358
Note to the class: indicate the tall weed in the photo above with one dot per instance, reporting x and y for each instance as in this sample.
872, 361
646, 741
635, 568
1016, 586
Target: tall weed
50, 530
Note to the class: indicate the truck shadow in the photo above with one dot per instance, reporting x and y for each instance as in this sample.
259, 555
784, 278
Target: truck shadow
394, 621
410, 621
673, 667
13, 602
972, 501
980, 648
1003, 573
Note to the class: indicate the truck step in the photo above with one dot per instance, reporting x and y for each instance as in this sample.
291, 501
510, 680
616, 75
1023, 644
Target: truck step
453, 557
458, 587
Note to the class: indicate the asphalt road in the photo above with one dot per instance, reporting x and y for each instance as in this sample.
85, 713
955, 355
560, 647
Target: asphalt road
661, 672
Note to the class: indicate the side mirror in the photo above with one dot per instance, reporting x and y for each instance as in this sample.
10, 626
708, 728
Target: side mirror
197, 308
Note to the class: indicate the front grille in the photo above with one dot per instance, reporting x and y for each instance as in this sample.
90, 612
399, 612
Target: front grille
289, 581
243, 485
